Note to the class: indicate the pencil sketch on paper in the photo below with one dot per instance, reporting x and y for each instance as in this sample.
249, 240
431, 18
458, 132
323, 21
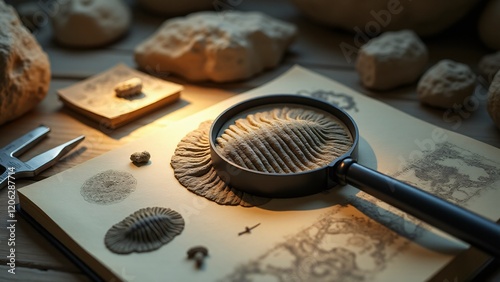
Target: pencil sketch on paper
343, 245
452, 173
357, 242
341, 100
108, 187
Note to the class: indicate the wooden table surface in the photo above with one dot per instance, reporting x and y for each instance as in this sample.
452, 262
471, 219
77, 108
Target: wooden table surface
316, 48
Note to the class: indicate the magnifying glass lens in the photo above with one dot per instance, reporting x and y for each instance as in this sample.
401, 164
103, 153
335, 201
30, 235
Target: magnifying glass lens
283, 138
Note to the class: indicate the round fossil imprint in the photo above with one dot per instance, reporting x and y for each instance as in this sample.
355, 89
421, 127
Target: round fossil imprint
108, 187
145, 230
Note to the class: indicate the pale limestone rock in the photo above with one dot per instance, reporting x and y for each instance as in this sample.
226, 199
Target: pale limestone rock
425, 17
489, 65
24, 67
128, 88
90, 23
177, 7
493, 105
445, 84
391, 60
488, 24
214, 46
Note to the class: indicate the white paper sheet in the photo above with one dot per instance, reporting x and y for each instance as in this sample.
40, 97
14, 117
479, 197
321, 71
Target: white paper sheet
339, 235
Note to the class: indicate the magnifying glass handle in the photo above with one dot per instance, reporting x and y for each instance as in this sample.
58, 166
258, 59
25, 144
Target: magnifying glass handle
470, 227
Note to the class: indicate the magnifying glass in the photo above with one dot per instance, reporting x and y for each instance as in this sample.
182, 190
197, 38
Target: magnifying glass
244, 131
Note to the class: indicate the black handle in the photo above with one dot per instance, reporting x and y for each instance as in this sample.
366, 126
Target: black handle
470, 227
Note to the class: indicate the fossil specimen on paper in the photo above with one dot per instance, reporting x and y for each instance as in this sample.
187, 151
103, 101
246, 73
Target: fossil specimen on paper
145, 230
108, 187
193, 168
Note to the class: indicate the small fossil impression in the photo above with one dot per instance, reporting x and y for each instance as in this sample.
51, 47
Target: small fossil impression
284, 140
145, 230
193, 168
108, 187
140, 157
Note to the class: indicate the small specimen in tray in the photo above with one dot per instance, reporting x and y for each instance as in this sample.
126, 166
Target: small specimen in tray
128, 88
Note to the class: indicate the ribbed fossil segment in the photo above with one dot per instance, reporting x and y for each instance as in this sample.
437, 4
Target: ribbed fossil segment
284, 140
145, 230
194, 170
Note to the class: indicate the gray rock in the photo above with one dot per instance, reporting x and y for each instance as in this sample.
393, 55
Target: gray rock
445, 84
140, 157
90, 23
391, 60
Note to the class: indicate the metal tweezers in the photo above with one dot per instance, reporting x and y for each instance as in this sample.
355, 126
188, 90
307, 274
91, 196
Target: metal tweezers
11, 164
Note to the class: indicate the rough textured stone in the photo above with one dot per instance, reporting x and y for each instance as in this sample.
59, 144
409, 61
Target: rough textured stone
445, 84
489, 65
140, 157
488, 24
392, 59
425, 17
494, 100
177, 7
90, 23
24, 67
218, 47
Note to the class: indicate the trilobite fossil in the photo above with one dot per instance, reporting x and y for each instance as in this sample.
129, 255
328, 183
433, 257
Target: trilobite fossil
145, 230
285, 140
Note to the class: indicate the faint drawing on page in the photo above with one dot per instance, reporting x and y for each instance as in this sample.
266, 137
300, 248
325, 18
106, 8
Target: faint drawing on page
452, 173
343, 245
341, 100
358, 241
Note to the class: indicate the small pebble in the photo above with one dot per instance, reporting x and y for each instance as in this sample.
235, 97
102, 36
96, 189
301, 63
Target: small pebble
446, 84
489, 65
140, 157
